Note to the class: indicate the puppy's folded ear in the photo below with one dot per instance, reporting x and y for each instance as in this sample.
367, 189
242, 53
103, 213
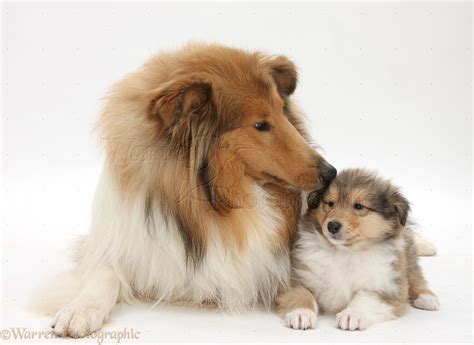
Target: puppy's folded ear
315, 197
283, 72
401, 205
178, 99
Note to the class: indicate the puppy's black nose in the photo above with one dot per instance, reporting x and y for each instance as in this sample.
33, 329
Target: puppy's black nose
327, 172
334, 226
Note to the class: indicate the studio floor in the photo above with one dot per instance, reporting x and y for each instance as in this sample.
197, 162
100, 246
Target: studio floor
449, 276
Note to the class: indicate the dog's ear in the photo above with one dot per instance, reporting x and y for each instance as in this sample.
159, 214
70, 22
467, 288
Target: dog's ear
315, 197
283, 72
179, 99
401, 205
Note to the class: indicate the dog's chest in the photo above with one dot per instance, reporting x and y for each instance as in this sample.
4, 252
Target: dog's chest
230, 276
335, 276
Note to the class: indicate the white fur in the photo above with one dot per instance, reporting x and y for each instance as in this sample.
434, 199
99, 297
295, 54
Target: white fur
365, 309
55, 292
87, 312
301, 318
423, 246
426, 301
350, 320
336, 275
127, 262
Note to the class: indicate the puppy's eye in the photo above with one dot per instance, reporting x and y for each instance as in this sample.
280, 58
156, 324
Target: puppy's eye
263, 126
330, 203
358, 206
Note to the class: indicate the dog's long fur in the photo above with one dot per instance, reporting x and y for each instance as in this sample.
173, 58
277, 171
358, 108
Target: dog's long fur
200, 194
198, 202
355, 257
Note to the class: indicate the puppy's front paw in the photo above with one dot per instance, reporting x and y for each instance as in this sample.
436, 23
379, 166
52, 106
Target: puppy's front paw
426, 301
351, 320
301, 318
77, 320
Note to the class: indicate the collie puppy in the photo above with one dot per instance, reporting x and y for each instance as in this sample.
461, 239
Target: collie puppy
198, 202
354, 257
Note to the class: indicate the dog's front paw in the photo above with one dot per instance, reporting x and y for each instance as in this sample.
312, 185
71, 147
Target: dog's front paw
426, 301
301, 318
77, 320
351, 320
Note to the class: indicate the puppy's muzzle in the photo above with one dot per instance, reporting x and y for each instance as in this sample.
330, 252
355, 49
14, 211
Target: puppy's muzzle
334, 226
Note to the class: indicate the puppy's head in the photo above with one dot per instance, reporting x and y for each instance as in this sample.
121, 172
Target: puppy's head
358, 207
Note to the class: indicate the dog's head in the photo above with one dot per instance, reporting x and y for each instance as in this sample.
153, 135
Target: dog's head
358, 207
230, 111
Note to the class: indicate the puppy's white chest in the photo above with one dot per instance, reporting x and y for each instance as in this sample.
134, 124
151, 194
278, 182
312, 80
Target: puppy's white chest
335, 276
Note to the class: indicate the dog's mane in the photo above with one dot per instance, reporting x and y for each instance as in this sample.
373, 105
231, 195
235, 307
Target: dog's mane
170, 158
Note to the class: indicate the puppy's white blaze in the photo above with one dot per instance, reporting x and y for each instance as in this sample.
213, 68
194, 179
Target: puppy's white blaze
155, 264
348, 271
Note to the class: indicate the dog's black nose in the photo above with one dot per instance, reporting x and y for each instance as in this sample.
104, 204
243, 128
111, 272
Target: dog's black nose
334, 226
327, 172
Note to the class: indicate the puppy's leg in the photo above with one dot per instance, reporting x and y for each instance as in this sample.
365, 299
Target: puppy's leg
299, 308
420, 295
90, 309
365, 309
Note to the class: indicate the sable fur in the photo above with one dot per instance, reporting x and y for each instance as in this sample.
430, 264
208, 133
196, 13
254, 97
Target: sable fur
194, 204
367, 271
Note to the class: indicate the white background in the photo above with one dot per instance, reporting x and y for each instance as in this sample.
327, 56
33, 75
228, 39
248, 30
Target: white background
384, 85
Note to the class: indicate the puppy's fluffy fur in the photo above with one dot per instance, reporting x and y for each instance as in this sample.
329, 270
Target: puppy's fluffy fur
200, 194
355, 257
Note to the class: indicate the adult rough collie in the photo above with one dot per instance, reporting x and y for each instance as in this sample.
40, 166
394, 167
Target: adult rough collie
200, 194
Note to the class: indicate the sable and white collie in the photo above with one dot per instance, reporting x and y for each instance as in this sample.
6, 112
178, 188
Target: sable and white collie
354, 256
199, 197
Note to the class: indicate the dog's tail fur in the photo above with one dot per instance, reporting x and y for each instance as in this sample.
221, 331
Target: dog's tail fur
423, 246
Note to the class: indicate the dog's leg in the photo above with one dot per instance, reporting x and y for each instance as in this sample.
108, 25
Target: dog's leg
299, 308
420, 295
418, 291
365, 309
90, 309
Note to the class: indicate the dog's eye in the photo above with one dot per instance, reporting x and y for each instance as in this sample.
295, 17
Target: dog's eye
329, 203
358, 206
263, 126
